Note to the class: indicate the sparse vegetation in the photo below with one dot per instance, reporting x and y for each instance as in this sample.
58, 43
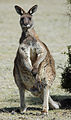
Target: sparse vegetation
69, 1
66, 75
69, 9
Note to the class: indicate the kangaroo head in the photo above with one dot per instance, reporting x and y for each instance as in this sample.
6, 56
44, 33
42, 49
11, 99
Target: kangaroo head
26, 17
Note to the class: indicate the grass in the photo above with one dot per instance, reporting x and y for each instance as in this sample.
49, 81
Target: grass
52, 27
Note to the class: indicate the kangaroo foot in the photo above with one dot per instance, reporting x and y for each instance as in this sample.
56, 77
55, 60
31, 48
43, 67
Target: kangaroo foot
23, 110
53, 104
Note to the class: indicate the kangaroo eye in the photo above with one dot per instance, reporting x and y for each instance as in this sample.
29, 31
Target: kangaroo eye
29, 18
22, 19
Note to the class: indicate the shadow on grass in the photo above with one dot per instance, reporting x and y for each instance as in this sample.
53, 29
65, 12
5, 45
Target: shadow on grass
65, 102
17, 109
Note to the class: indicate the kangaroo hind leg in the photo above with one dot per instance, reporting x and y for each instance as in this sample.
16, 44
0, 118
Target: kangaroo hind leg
21, 88
46, 100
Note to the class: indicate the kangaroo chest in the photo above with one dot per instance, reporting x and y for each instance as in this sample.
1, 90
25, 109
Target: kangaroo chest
28, 50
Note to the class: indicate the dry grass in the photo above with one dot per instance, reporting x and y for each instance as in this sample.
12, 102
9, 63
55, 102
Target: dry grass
54, 28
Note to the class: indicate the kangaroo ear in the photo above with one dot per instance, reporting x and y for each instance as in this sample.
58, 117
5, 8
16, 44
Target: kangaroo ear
19, 10
33, 9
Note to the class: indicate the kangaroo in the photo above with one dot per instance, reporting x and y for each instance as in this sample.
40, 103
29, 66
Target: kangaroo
34, 67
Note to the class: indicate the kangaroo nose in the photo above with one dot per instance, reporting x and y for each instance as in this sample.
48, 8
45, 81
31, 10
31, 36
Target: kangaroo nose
25, 21
25, 24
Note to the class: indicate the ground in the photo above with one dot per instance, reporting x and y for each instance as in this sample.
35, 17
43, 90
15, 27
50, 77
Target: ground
53, 25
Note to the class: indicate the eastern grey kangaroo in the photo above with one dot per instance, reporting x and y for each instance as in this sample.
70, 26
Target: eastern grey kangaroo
34, 67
